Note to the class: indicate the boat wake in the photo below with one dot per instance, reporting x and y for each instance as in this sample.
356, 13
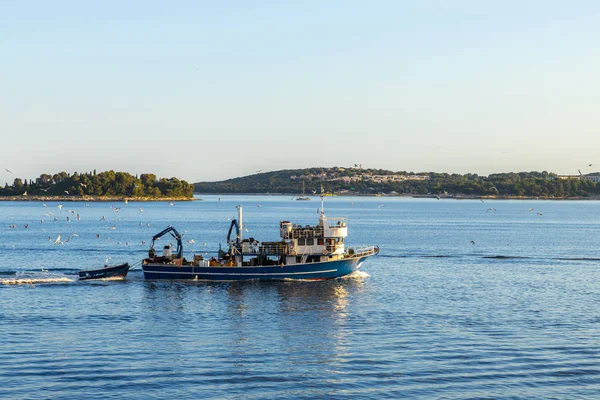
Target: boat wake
112, 278
500, 257
24, 278
356, 275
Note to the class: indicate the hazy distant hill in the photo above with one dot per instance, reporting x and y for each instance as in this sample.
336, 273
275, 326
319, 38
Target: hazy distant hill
374, 181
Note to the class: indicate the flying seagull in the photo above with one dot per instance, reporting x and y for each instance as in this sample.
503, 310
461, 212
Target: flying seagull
69, 238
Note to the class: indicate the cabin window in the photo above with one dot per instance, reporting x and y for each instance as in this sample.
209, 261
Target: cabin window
301, 242
320, 242
310, 242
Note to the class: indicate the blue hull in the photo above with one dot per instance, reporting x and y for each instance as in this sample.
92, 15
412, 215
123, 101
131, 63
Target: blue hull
310, 271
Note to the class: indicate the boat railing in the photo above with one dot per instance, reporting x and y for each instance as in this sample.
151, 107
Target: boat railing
272, 250
332, 249
337, 222
278, 249
352, 252
300, 233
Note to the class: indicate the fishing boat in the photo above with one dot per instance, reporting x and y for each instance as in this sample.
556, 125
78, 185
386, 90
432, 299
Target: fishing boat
114, 272
304, 252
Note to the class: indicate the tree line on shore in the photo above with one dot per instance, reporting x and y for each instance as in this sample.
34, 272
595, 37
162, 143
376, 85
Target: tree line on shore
103, 184
521, 184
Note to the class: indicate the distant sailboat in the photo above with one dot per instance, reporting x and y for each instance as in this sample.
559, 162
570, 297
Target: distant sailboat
302, 196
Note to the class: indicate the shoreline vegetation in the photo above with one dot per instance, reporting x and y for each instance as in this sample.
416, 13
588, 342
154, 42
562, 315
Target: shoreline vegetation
111, 186
92, 198
356, 181
92, 186
415, 196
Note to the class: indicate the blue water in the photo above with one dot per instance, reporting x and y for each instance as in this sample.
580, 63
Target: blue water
514, 315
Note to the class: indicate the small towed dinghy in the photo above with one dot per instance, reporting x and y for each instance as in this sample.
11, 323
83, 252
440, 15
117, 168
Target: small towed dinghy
116, 271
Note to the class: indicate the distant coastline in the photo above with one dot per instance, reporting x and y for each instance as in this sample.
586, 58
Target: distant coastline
459, 197
358, 181
91, 199
415, 196
92, 186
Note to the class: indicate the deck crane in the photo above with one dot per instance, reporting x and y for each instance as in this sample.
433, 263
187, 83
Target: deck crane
173, 233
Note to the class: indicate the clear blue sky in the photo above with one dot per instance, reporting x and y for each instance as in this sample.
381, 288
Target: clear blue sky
213, 90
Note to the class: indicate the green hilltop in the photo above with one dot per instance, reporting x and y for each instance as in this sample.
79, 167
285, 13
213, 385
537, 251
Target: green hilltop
99, 185
359, 181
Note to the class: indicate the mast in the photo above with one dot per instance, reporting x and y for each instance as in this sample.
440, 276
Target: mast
241, 223
322, 202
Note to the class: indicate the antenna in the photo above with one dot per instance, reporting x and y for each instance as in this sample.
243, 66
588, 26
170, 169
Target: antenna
322, 200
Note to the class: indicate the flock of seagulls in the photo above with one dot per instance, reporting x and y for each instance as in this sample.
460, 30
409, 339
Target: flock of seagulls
60, 240
72, 215
531, 210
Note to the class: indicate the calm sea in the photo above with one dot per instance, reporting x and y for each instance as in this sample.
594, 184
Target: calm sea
466, 300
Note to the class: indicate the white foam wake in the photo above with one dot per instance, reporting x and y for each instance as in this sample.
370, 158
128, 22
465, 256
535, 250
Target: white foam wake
34, 279
356, 275
112, 278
